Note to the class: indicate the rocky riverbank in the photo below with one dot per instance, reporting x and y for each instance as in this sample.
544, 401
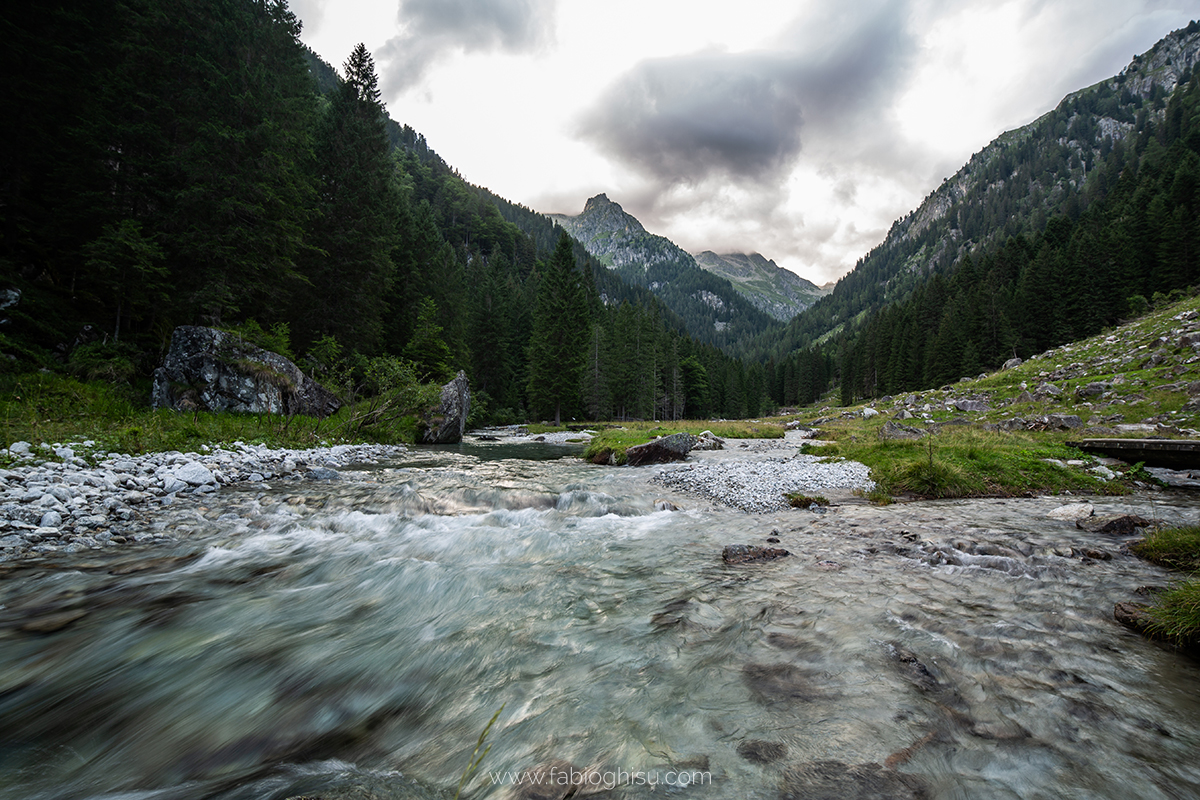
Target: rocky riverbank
54, 500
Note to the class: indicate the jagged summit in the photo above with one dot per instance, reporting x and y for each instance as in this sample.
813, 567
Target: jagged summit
712, 308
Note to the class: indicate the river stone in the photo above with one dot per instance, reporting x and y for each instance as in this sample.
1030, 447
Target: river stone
758, 751
1134, 616
742, 553
1115, 523
835, 780
51, 519
20, 448
1072, 512
709, 441
667, 448
770, 683
195, 474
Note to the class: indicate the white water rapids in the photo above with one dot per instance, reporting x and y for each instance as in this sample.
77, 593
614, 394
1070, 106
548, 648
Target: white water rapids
353, 639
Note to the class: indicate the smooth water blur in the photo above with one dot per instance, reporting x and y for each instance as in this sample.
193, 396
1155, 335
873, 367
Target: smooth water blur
352, 640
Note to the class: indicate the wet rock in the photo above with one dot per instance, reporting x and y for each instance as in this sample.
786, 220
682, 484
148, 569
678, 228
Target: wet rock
758, 751
556, 780
55, 621
743, 553
1096, 554
665, 505
1115, 523
1072, 512
660, 451
913, 670
829, 566
1134, 616
770, 683
835, 780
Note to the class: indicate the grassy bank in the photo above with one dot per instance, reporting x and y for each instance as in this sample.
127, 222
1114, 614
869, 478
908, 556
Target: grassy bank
962, 461
43, 407
616, 440
1176, 612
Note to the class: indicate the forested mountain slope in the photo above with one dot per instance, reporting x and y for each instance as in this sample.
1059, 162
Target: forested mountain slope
779, 292
711, 308
1047, 235
174, 162
1058, 164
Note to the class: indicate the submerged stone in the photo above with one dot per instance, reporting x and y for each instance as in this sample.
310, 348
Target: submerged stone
741, 553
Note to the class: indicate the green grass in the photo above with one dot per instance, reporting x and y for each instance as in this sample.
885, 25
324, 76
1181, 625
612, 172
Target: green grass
614, 441
43, 407
961, 461
1175, 614
1173, 548
799, 500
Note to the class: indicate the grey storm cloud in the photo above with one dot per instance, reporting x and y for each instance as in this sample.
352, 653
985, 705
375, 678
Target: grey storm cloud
435, 27
741, 116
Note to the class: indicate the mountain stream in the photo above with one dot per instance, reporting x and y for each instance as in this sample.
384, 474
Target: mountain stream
351, 640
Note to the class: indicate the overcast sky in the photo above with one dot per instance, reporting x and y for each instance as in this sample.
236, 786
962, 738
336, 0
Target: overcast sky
796, 129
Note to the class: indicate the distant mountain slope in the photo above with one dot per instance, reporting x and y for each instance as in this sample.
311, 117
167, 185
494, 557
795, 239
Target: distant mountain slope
779, 292
1058, 164
712, 309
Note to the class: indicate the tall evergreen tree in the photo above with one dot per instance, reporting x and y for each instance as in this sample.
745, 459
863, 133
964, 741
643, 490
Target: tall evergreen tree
560, 329
350, 269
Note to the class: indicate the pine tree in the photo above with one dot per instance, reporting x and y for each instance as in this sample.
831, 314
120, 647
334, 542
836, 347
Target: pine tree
350, 269
560, 329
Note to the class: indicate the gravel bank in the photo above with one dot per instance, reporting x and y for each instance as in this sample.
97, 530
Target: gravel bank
760, 485
53, 500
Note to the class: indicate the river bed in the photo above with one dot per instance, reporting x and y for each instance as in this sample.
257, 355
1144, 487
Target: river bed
353, 639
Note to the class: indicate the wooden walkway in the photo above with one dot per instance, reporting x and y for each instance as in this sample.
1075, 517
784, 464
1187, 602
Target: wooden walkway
1170, 453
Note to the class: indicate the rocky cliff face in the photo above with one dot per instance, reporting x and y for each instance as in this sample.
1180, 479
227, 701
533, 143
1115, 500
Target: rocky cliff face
779, 292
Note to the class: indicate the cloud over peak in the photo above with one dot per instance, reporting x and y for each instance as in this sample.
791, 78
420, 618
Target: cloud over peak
434, 28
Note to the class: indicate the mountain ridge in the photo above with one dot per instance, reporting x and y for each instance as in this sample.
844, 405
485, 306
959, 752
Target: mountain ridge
712, 308
777, 291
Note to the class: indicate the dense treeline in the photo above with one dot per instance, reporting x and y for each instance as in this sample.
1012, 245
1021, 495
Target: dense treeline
172, 162
1132, 231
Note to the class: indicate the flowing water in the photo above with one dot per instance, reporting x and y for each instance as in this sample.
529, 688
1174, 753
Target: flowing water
353, 640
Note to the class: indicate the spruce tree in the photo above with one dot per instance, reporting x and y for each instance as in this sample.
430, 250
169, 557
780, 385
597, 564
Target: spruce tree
560, 329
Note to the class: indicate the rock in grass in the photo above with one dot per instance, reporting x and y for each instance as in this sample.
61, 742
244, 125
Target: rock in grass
668, 448
743, 553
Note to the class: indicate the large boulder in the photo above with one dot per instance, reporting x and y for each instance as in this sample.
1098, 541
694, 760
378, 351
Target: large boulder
666, 448
445, 423
214, 370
